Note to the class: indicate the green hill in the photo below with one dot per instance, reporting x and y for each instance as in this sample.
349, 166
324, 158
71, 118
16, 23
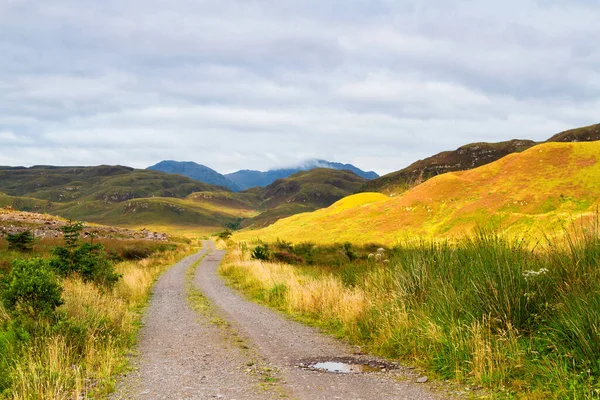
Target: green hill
110, 184
124, 196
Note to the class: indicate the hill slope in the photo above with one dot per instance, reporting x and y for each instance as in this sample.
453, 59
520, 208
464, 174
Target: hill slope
467, 157
464, 158
115, 195
250, 178
530, 191
586, 134
303, 192
195, 171
111, 184
124, 196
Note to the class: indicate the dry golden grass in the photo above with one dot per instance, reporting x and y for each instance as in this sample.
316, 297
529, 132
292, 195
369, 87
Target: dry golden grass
325, 295
55, 367
536, 191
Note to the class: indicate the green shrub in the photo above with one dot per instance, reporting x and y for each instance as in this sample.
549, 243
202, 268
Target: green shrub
261, 252
31, 289
349, 252
22, 241
224, 235
88, 260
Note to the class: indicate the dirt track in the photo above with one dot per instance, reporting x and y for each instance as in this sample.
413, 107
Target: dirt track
255, 354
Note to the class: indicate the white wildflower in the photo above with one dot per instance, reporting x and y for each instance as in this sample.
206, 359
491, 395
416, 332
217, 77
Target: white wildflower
529, 274
380, 250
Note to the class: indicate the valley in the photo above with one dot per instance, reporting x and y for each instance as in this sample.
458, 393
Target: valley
469, 273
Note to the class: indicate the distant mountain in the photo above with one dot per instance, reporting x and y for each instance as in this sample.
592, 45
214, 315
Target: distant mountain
246, 179
302, 192
195, 171
465, 158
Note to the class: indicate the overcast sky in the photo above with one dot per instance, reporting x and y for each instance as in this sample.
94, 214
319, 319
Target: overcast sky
264, 83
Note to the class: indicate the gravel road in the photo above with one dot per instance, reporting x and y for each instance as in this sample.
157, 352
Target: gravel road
184, 356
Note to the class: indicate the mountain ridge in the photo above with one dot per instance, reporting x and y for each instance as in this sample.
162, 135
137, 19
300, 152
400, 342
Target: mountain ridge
195, 171
467, 157
535, 191
248, 178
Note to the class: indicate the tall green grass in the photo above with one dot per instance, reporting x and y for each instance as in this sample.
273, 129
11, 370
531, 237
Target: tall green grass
79, 353
519, 319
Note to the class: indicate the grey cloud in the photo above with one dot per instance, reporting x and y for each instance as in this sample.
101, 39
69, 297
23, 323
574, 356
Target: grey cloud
238, 84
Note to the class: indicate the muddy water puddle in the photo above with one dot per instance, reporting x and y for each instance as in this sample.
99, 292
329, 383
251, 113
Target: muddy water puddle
347, 366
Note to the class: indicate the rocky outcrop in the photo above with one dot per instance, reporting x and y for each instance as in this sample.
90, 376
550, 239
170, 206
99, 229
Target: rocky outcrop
48, 226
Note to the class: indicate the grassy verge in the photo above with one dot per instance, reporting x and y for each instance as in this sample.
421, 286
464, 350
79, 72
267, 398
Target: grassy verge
485, 312
80, 350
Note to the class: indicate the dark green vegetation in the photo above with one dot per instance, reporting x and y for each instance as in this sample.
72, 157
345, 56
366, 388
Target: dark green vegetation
66, 316
128, 197
465, 158
87, 260
195, 171
22, 241
106, 184
485, 311
246, 179
107, 194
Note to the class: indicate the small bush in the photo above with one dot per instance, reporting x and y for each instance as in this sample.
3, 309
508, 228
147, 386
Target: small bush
288, 258
90, 261
349, 252
31, 289
261, 252
224, 235
22, 241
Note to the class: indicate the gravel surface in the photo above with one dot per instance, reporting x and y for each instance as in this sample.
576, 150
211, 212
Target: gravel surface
184, 356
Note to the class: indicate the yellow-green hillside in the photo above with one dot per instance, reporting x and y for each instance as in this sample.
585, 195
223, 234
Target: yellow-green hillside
533, 191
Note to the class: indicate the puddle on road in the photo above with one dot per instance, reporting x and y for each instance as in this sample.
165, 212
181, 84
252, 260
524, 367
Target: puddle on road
347, 365
343, 368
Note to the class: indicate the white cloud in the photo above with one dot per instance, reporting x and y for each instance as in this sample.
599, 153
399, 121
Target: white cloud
254, 84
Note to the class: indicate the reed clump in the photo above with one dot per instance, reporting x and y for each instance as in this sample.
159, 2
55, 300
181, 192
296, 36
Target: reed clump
522, 320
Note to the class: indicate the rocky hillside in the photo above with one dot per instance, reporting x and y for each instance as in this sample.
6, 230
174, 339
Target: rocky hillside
586, 134
49, 226
465, 158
